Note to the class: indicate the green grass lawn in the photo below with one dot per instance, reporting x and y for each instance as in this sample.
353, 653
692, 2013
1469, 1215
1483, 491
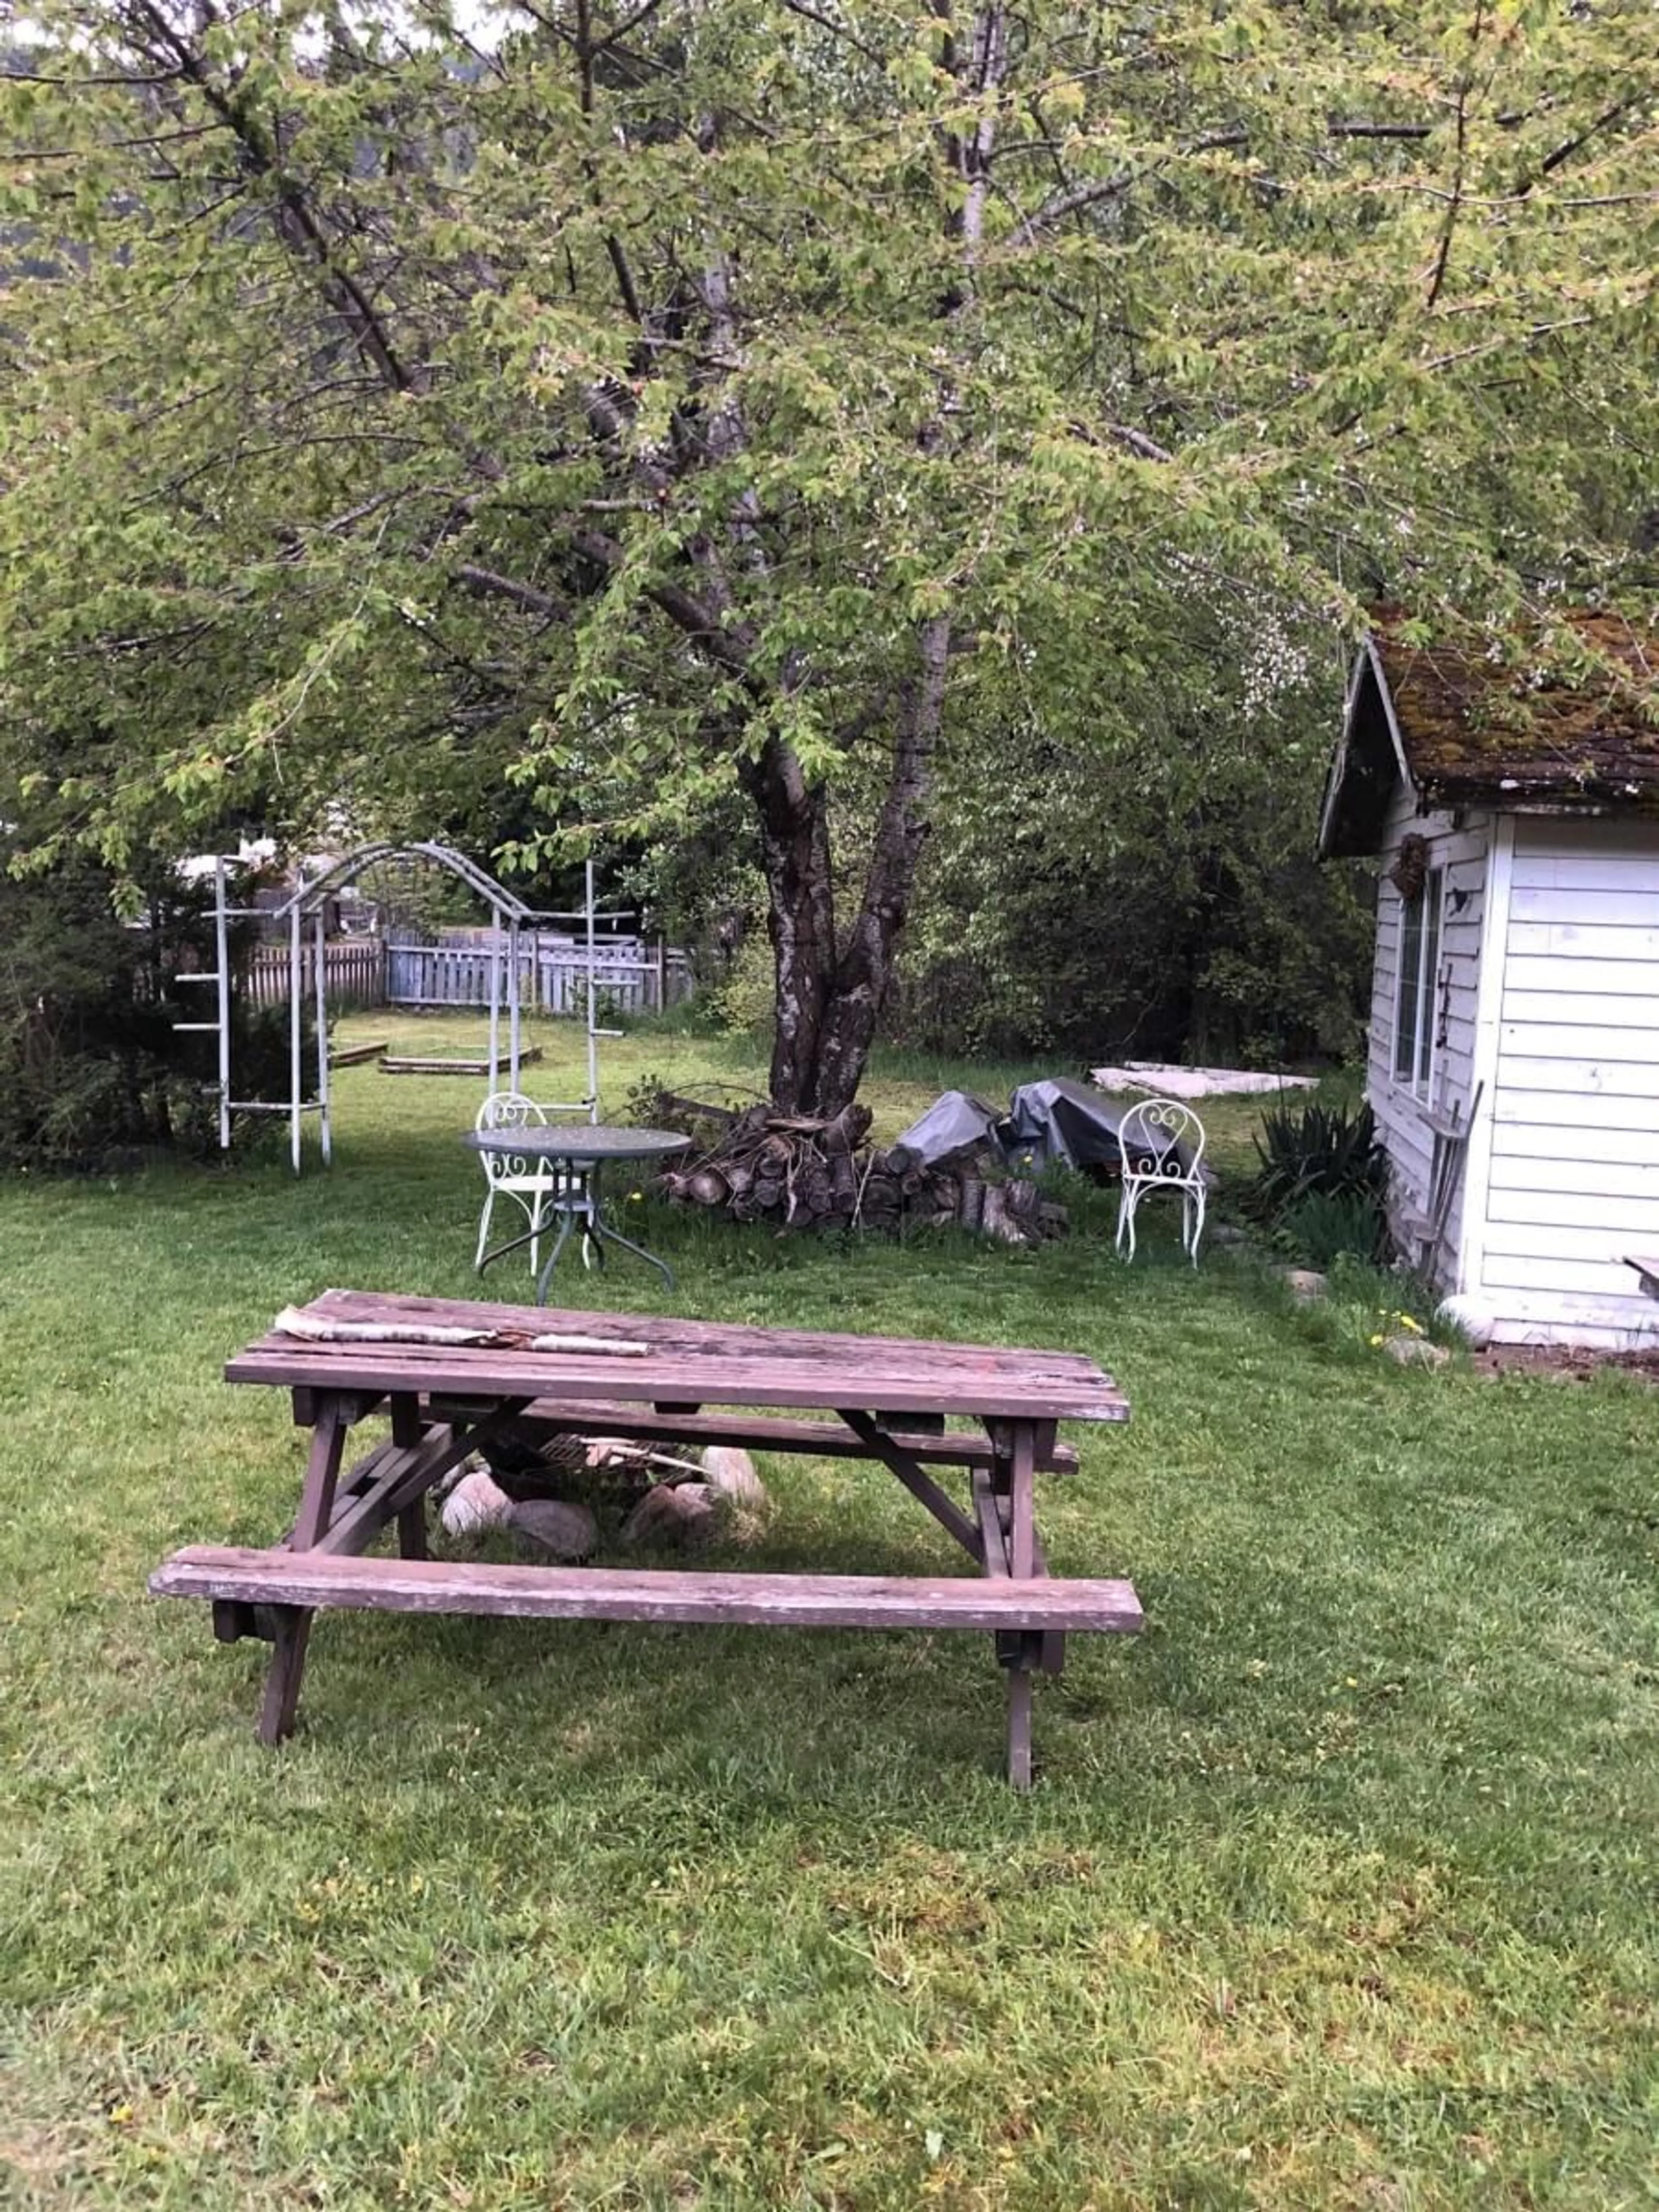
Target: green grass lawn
1336, 1887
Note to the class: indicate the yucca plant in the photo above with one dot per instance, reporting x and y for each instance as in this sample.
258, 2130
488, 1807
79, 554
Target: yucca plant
1309, 1150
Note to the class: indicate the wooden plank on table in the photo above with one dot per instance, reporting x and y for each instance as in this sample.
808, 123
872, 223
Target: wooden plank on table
310, 1579
459, 1369
671, 1332
692, 1363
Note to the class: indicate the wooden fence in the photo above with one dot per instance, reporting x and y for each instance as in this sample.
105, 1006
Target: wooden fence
354, 971
629, 978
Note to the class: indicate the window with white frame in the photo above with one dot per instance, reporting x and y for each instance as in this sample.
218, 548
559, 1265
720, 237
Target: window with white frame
1415, 983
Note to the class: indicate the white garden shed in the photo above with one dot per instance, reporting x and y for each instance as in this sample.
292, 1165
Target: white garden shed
1513, 1061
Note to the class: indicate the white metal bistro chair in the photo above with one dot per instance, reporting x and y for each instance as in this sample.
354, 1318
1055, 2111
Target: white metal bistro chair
545, 1189
1162, 1143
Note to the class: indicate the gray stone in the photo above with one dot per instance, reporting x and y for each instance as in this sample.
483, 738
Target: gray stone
552, 1525
1416, 1352
731, 1471
1223, 1232
683, 1513
477, 1503
1304, 1283
1472, 1319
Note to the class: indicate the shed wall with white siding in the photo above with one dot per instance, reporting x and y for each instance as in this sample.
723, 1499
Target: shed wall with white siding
1568, 1171
1408, 1126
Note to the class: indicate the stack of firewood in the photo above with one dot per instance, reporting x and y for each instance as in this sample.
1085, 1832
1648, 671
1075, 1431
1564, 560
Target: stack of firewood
795, 1171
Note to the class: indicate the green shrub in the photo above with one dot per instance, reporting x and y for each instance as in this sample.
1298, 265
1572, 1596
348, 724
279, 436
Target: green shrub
1310, 1149
93, 1069
1326, 1227
1323, 1183
740, 1003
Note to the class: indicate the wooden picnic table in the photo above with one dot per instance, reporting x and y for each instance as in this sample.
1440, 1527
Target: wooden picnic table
918, 1409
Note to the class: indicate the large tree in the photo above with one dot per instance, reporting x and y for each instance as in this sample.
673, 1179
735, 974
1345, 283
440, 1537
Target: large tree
661, 400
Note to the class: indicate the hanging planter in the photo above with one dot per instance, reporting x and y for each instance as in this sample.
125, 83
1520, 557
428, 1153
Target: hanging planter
1410, 866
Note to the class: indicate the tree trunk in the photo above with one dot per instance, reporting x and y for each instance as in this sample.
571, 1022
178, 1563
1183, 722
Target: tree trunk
794, 842
822, 1059
866, 966
828, 993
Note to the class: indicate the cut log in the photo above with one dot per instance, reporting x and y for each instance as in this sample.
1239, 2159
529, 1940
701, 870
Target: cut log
997, 1218
672, 1105
794, 1172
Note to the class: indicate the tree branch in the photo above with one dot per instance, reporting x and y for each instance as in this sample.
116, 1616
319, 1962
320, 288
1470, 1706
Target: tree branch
295, 221
489, 583
1465, 86
1569, 147
840, 30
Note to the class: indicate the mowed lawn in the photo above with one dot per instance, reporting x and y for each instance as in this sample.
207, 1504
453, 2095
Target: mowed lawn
1336, 1888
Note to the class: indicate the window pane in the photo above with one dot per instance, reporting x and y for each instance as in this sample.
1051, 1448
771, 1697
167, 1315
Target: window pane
1409, 961
1428, 1010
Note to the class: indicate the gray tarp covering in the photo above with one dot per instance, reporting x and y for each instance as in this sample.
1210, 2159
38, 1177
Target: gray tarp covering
1066, 1120
1059, 1120
955, 1119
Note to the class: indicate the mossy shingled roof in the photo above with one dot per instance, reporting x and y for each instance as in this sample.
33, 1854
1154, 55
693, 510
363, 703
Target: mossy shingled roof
1503, 725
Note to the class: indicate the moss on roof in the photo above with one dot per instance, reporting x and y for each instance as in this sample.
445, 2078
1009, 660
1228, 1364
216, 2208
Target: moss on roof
1581, 724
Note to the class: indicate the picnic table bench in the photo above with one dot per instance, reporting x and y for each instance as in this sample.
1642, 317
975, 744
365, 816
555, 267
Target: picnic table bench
449, 1376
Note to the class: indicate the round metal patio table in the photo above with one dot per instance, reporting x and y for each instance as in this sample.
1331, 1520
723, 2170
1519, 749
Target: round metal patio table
589, 1147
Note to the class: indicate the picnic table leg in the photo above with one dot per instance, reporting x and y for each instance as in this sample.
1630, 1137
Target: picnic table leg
287, 1664
409, 1428
1019, 1726
322, 1472
292, 1622
1017, 1472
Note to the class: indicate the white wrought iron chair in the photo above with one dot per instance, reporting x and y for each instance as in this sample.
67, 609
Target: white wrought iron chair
545, 1189
1162, 1143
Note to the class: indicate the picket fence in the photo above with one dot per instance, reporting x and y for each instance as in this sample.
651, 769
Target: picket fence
629, 978
354, 971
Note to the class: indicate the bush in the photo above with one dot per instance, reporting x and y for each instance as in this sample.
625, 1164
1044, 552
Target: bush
1311, 1148
1326, 1227
1323, 1183
92, 1068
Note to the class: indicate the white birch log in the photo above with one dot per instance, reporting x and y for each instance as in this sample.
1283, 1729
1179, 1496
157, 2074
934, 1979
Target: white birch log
316, 1329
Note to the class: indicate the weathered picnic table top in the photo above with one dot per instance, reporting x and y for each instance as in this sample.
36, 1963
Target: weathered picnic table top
687, 1363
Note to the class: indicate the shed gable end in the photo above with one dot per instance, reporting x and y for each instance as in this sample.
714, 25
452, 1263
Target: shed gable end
1367, 771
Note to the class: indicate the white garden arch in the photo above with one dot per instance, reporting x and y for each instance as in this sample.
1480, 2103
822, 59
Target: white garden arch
304, 912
